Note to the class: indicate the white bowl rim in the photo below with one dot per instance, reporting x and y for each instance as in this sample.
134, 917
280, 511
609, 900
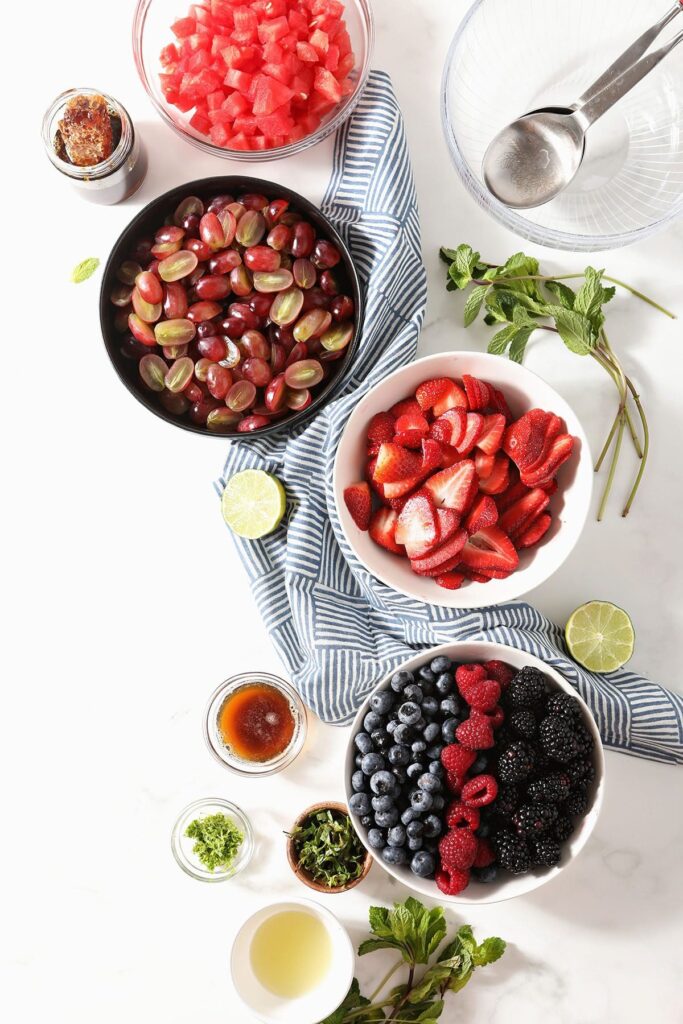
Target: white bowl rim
520, 581
485, 894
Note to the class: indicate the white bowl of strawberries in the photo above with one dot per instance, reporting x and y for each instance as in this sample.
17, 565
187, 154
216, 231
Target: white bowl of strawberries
459, 470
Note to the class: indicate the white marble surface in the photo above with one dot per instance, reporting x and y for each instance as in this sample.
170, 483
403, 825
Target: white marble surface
125, 606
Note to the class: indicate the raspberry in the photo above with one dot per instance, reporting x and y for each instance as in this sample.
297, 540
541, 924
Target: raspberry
499, 671
526, 689
456, 759
454, 782
523, 723
533, 819
512, 852
476, 732
545, 852
452, 882
467, 675
565, 706
516, 762
485, 854
558, 739
459, 815
508, 800
458, 849
479, 791
483, 696
550, 789
496, 717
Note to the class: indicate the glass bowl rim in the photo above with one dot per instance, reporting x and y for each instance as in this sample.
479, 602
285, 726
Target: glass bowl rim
197, 871
513, 221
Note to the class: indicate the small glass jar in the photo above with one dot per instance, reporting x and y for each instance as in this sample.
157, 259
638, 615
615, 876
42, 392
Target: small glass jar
182, 845
112, 180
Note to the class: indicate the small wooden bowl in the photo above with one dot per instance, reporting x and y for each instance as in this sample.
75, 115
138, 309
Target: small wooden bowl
302, 874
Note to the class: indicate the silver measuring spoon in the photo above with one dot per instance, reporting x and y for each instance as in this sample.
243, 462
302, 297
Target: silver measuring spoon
533, 159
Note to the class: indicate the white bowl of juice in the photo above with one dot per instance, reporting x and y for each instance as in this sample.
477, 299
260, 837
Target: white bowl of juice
292, 963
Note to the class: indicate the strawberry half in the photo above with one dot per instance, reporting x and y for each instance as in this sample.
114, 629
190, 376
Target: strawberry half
490, 550
454, 487
410, 430
432, 391
441, 557
473, 431
498, 479
381, 428
450, 455
358, 501
483, 513
479, 393
383, 530
432, 455
523, 512
395, 463
450, 428
408, 407
491, 437
453, 398
533, 533
418, 528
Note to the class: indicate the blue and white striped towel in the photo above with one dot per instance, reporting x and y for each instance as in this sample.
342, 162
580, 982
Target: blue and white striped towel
337, 628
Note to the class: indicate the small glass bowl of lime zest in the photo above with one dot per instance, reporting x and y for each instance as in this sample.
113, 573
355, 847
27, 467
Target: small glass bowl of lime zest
182, 845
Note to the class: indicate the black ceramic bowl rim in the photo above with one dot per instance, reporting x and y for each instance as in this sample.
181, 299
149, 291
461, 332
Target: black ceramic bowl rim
155, 212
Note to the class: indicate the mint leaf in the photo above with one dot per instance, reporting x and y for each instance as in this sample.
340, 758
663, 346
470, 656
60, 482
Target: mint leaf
464, 262
489, 951
474, 303
500, 341
519, 343
576, 331
85, 269
401, 924
372, 945
562, 292
379, 921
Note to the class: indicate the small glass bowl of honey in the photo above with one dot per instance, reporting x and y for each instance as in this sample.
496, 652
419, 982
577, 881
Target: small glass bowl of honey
255, 724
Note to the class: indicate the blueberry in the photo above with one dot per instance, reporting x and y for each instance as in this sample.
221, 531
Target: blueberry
418, 747
381, 740
431, 846
415, 844
385, 819
432, 826
358, 760
448, 730
409, 815
440, 664
409, 713
436, 768
484, 830
445, 683
367, 820
420, 724
372, 763
382, 803
391, 726
426, 673
431, 732
396, 836
414, 829
372, 721
377, 838
363, 743
487, 874
414, 770
420, 800
382, 702
434, 753
394, 855
480, 765
402, 733
399, 773
358, 781
438, 802
400, 680
450, 706
429, 783
423, 864
430, 706
393, 715
398, 754
383, 783
360, 803
414, 693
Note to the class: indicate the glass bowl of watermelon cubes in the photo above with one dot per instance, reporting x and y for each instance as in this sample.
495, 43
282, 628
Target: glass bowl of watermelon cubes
462, 480
259, 80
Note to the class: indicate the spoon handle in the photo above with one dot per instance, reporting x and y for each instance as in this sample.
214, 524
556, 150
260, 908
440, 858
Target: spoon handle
600, 104
628, 57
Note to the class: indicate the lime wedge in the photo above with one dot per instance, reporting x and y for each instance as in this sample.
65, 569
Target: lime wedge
253, 503
600, 636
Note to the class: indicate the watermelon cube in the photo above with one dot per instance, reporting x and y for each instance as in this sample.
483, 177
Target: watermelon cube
270, 94
183, 28
327, 85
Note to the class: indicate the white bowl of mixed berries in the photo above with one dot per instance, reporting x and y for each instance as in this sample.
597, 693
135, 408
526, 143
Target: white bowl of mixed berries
459, 470
474, 773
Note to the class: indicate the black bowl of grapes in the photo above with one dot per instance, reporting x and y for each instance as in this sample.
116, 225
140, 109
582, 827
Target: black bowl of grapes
231, 306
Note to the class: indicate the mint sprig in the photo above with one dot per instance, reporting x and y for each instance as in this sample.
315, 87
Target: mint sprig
518, 299
418, 935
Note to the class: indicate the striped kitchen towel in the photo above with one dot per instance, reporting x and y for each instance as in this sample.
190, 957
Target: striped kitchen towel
338, 629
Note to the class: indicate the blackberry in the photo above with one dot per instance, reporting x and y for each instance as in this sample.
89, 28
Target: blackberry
507, 801
545, 852
516, 762
558, 739
512, 852
523, 723
564, 706
576, 805
563, 828
581, 774
550, 789
584, 740
526, 689
533, 819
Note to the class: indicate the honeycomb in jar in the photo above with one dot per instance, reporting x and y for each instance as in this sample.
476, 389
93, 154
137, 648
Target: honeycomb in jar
86, 130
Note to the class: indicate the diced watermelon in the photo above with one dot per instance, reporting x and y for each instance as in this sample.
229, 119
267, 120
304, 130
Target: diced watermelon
169, 54
215, 99
270, 94
239, 80
319, 41
218, 134
183, 28
308, 53
271, 31
327, 85
332, 58
200, 123
235, 105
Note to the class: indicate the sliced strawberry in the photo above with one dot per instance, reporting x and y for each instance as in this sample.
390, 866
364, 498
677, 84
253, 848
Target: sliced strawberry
450, 580
499, 404
358, 501
454, 487
453, 398
436, 570
372, 448
449, 455
440, 430
383, 530
449, 523
401, 488
381, 427
409, 439
522, 513
533, 533
552, 429
432, 455
441, 556
408, 407
472, 574
491, 437
525, 438
395, 463
484, 464
418, 527
412, 423
515, 491
499, 478
483, 513
560, 450
432, 391
479, 393
550, 487
490, 550
450, 428
473, 430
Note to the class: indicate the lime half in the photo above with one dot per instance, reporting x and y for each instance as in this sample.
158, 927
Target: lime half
253, 503
600, 636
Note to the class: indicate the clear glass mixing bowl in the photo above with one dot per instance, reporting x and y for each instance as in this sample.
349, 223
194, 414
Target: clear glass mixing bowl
509, 58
